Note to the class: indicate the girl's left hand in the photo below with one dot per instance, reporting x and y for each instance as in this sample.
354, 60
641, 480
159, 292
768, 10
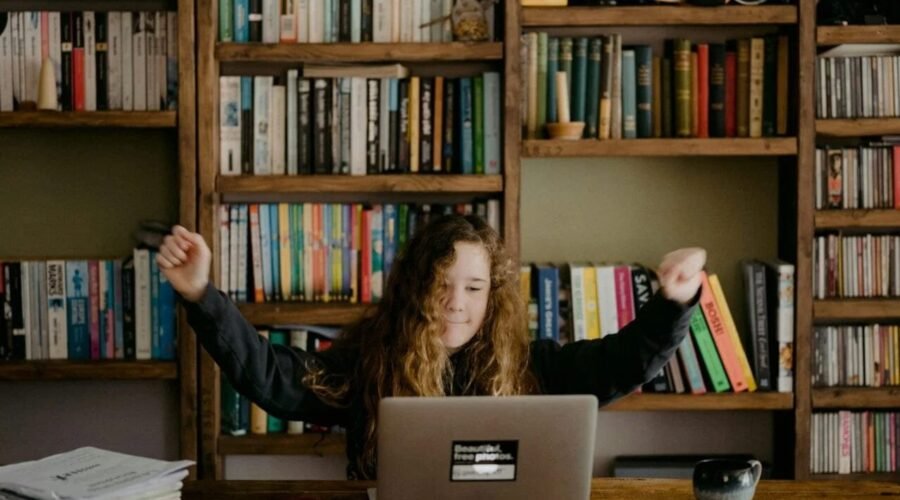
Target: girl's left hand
679, 274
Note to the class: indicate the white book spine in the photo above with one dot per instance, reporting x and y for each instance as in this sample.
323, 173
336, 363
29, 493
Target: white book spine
242, 254
55, 53
18, 70
114, 60
270, 32
139, 61
56, 316
307, 251
579, 329
291, 130
356, 21
25, 287
606, 299
447, 26
302, 9
405, 20
384, 135
161, 56
288, 23
424, 18
40, 280
415, 20
492, 115
381, 21
235, 228
437, 8
151, 90
262, 162
90, 63
256, 251
142, 320
358, 123
32, 54
397, 17
277, 125
315, 21
230, 125
6, 62
224, 248
336, 104
127, 58
171, 94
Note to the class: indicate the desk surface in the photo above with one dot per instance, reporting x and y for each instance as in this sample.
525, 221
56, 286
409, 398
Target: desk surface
606, 488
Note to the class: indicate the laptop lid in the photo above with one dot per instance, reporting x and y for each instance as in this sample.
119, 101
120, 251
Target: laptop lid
486, 447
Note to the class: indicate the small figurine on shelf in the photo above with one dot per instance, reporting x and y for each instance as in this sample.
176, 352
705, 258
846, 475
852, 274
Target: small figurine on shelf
47, 99
564, 129
469, 20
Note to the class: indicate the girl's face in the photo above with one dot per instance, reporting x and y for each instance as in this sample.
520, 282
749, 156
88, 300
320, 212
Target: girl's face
465, 294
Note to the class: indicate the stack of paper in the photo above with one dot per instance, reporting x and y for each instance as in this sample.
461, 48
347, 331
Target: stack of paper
96, 474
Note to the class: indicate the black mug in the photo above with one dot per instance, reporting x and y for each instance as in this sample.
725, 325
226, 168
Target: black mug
722, 479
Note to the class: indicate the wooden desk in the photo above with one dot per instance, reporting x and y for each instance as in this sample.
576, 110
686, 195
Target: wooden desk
605, 488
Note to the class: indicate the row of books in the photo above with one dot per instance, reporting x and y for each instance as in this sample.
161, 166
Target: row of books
856, 355
860, 177
87, 309
239, 416
738, 89
319, 251
582, 301
332, 21
865, 265
101, 60
846, 442
863, 86
358, 125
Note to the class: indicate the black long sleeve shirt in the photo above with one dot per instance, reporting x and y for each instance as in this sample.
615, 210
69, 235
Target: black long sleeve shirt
270, 375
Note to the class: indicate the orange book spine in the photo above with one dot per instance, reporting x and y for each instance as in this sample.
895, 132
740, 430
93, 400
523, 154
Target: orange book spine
723, 341
703, 90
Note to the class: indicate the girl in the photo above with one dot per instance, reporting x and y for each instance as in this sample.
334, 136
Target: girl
451, 323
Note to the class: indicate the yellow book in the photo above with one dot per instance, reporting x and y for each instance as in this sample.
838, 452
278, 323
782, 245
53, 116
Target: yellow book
308, 263
545, 3
757, 55
258, 419
728, 320
591, 310
525, 283
337, 252
356, 246
284, 249
413, 124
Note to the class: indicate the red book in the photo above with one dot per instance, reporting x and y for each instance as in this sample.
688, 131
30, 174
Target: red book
896, 177
78, 62
94, 312
730, 94
624, 295
703, 90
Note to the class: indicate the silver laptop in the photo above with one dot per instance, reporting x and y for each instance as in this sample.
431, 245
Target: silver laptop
484, 447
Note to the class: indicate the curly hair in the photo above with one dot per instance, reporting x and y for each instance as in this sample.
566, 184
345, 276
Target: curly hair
400, 347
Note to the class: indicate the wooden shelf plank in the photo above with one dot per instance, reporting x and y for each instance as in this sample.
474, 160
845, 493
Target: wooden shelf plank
856, 397
89, 119
891, 477
659, 15
858, 127
283, 444
359, 52
88, 370
836, 35
409, 183
856, 309
843, 219
781, 146
286, 313
704, 402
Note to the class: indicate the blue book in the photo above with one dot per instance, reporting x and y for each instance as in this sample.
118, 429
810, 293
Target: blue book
265, 250
110, 313
242, 22
118, 312
377, 246
335, 7
155, 347
552, 69
393, 124
275, 244
101, 305
629, 95
356, 21
467, 141
347, 253
548, 301
328, 26
579, 79
390, 238
166, 327
326, 247
78, 333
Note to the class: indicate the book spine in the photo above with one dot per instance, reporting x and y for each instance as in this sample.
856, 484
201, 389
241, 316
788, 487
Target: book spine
541, 117
731, 103
731, 329
414, 123
492, 115
230, 125
128, 309
770, 86
782, 85
717, 90
629, 97
242, 20
701, 77
592, 98
579, 79
757, 72
726, 348
426, 124
552, 69
707, 348
465, 136
262, 89
743, 88
689, 360
127, 34
94, 308
277, 124
757, 313
682, 85
644, 80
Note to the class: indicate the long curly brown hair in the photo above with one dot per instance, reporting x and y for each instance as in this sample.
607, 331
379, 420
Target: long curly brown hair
400, 347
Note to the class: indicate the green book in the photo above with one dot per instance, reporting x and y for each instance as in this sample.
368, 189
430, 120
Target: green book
478, 122
274, 424
403, 223
231, 410
683, 88
552, 68
565, 61
579, 79
708, 352
541, 84
643, 59
296, 225
592, 103
629, 95
226, 20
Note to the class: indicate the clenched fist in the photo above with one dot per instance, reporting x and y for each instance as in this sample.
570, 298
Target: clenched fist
679, 274
185, 259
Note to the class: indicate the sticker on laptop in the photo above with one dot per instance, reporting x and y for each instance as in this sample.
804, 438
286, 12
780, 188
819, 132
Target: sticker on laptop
484, 460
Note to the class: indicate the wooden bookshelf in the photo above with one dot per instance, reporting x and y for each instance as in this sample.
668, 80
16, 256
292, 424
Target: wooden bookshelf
476, 184
884, 477
286, 313
283, 444
758, 401
89, 119
857, 219
359, 52
856, 397
856, 309
785, 146
87, 370
856, 127
534, 17
836, 35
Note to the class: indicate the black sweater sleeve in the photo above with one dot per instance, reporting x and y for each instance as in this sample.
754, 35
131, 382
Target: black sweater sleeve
614, 365
268, 374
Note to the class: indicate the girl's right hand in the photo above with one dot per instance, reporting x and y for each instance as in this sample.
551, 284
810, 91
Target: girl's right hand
184, 258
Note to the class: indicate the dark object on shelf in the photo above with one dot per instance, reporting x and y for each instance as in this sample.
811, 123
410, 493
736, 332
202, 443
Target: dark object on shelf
844, 12
726, 479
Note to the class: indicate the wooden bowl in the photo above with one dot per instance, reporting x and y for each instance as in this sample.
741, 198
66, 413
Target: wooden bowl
570, 131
